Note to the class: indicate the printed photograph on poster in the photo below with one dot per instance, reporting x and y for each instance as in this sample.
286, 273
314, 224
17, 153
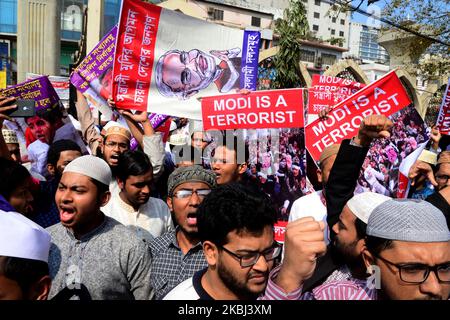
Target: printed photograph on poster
279, 167
167, 61
380, 170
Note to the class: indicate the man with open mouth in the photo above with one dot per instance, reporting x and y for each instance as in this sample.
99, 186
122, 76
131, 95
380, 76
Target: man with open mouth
178, 254
89, 249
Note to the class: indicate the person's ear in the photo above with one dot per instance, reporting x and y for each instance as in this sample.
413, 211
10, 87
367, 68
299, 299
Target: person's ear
211, 253
361, 246
368, 258
319, 175
120, 183
40, 289
242, 168
170, 203
51, 169
105, 198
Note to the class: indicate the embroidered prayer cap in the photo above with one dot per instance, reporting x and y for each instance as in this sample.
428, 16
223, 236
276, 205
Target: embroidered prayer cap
10, 136
363, 204
328, 152
113, 127
194, 173
92, 167
408, 220
22, 238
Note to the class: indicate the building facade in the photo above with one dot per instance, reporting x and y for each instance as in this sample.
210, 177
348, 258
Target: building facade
363, 44
325, 24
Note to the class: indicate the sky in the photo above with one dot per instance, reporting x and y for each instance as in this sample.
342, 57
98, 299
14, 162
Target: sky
373, 8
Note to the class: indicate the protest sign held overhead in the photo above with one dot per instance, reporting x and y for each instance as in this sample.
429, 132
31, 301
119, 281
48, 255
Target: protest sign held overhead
327, 91
60, 84
39, 90
384, 96
93, 75
165, 60
443, 121
257, 110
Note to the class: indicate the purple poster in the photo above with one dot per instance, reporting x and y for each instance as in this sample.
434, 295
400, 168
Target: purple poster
93, 76
39, 90
249, 63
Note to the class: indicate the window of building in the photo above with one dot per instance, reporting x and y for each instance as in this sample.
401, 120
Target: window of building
217, 14
329, 59
307, 55
72, 19
333, 32
341, 33
256, 22
333, 20
316, 15
315, 27
317, 2
8, 16
343, 22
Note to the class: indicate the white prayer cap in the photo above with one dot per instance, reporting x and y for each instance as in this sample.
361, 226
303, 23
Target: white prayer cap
363, 204
22, 238
92, 167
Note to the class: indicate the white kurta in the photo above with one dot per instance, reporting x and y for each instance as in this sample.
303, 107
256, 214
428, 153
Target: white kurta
152, 219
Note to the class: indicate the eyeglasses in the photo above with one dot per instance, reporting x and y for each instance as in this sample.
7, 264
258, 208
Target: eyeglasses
185, 194
418, 273
186, 73
112, 144
251, 259
443, 178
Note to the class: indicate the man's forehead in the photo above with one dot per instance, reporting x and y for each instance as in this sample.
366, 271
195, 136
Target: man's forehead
430, 253
444, 168
116, 138
73, 178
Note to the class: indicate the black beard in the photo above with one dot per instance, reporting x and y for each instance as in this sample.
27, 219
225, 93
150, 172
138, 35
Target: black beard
237, 288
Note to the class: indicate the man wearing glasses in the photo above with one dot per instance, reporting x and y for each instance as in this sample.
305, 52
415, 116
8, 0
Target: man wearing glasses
178, 254
408, 246
235, 227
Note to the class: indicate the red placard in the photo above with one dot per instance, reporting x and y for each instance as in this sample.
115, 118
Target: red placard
385, 96
257, 110
327, 91
279, 231
443, 121
135, 54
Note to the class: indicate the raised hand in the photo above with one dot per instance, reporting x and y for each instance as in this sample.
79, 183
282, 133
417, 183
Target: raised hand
303, 244
373, 127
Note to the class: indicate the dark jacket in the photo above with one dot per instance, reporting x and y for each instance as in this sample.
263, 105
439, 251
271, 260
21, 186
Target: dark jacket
338, 190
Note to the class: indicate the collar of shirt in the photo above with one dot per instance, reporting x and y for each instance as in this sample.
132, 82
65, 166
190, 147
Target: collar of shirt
126, 206
174, 241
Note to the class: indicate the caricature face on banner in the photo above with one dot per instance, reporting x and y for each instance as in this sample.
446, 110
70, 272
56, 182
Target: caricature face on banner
166, 60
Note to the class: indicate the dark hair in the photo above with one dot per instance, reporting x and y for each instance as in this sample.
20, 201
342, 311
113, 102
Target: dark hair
54, 152
233, 207
195, 155
24, 271
361, 228
375, 245
101, 187
237, 143
133, 163
52, 115
12, 175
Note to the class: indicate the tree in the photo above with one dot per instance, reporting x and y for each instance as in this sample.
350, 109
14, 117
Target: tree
291, 29
428, 18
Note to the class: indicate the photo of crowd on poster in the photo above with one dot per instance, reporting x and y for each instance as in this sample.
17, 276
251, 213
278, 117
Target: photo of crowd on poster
279, 170
380, 169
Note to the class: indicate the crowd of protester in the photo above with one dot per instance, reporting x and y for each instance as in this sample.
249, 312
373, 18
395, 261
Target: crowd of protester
82, 216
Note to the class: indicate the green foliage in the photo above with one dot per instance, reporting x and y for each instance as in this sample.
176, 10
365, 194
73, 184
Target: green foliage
292, 28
